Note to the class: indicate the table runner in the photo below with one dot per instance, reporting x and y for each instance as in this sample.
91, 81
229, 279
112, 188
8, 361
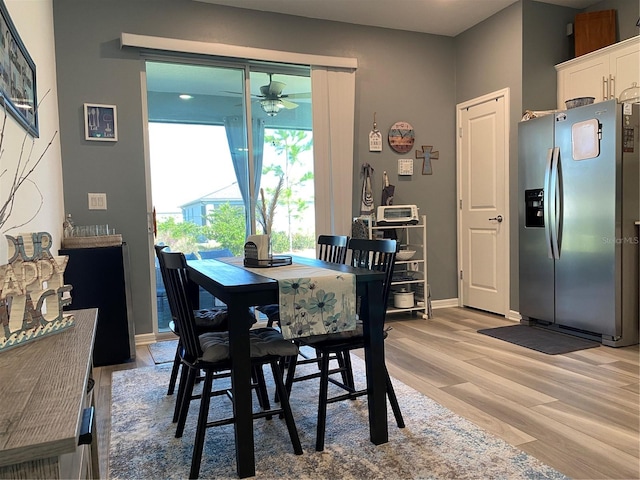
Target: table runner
313, 300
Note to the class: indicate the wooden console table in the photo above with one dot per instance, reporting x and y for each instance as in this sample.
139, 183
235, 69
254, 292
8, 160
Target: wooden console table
43, 397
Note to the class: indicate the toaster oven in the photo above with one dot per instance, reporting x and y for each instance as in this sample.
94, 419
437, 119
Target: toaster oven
397, 215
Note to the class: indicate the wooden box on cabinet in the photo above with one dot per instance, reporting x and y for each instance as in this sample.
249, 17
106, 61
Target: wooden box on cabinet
594, 30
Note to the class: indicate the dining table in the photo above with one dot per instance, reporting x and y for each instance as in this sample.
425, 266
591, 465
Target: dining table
241, 289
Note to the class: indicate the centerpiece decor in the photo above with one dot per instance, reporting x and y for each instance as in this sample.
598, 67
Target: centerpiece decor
32, 291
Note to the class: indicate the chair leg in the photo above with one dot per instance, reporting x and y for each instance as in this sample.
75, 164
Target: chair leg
261, 388
393, 400
322, 401
174, 370
181, 389
198, 444
345, 368
348, 370
186, 399
286, 407
292, 361
282, 363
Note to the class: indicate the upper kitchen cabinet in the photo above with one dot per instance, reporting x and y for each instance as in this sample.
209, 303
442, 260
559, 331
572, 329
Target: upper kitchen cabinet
602, 74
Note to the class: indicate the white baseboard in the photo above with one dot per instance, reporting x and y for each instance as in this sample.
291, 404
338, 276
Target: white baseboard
515, 316
453, 302
145, 338
446, 303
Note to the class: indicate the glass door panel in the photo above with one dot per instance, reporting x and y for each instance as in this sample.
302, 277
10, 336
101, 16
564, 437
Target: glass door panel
285, 201
207, 194
198, 163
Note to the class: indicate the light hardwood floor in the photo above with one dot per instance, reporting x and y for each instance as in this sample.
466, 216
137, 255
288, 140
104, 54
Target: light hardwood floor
577, 412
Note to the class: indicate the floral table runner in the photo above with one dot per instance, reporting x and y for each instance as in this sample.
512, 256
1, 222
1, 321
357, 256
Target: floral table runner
313, 300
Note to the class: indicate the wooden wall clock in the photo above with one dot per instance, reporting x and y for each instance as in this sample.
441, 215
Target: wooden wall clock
401, 137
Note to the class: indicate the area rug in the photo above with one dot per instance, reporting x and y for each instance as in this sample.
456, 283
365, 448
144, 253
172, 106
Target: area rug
163, 352
436, 443
542, 340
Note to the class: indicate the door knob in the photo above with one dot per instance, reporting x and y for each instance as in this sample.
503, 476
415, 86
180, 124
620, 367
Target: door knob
498, 218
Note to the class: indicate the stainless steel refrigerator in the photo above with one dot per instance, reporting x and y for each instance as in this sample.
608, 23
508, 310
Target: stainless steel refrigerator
578, 204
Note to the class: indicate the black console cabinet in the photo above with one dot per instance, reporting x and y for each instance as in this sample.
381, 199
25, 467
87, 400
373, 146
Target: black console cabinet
98, 276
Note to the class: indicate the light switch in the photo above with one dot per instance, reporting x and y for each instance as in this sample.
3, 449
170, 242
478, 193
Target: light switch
97, 201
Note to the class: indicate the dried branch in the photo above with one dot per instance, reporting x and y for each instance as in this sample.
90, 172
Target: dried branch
266, 211
25, 166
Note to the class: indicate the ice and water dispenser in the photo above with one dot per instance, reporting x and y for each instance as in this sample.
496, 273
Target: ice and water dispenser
534, 207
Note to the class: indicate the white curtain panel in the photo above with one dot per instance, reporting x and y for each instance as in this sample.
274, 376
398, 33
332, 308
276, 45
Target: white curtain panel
333, 97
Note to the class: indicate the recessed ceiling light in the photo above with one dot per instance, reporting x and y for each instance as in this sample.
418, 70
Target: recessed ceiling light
186, 96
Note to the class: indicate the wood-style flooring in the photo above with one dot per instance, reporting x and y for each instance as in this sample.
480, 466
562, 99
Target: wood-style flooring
577, 412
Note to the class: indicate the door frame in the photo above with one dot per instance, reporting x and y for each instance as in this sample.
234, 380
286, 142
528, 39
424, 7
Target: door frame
507, 251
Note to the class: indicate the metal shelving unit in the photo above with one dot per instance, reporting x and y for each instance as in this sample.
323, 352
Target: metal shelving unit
410, 274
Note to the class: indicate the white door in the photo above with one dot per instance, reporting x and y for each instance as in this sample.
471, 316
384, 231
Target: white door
483, 203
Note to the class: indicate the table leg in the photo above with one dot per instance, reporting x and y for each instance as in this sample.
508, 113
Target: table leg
241, 382
374, 360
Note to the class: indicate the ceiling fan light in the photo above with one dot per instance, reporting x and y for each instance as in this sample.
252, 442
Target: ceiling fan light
271, 106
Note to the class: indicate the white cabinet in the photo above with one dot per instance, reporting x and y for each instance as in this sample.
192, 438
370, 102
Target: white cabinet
409, 275
602, 74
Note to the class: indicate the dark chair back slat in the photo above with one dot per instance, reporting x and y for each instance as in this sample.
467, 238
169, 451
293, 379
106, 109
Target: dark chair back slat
333, 248
177, 285
163, 274
378, 255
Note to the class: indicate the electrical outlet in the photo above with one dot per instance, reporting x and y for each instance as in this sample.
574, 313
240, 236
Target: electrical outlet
97, 201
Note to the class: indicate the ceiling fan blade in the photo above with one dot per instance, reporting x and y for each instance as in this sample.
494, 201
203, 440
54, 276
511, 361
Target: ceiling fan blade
299, 95
287, 104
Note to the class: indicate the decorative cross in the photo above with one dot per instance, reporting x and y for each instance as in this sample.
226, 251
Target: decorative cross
427, 154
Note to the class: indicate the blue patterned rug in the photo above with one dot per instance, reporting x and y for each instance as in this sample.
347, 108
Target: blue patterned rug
436, 444
163, 352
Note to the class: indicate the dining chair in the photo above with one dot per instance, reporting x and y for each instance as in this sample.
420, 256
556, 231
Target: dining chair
209, 353
207, 320
331, 248
378, 255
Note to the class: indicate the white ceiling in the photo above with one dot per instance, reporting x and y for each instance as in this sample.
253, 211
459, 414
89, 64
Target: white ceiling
439, 17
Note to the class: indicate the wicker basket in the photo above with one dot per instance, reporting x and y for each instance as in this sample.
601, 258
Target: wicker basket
90, 242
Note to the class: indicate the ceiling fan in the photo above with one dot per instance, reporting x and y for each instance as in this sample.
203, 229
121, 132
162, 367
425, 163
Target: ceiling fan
271, 98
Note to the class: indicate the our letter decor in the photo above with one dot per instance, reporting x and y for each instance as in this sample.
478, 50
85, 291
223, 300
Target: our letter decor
32, 291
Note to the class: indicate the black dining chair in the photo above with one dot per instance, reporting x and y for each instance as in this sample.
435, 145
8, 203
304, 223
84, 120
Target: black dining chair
209, 353
207, 320
331, 248
376, 255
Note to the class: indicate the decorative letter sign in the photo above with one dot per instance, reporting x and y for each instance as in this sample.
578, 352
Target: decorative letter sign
32, 291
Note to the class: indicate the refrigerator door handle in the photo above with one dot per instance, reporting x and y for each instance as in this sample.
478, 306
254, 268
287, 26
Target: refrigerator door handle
547, 203
556, 206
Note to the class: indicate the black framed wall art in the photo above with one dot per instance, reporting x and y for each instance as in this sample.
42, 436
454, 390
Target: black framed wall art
100, 122
17, 75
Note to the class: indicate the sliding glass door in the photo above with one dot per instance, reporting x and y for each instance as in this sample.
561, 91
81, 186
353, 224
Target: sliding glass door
221, 159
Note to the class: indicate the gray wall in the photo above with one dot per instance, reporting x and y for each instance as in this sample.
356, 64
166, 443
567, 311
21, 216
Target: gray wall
401, 76
516, 48
627, 13
489, 58
413, 77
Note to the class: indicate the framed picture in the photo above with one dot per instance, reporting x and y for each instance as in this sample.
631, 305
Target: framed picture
17, 75
100, 122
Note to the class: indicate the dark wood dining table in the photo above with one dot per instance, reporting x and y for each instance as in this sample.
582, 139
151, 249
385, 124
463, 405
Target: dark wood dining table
241, 289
